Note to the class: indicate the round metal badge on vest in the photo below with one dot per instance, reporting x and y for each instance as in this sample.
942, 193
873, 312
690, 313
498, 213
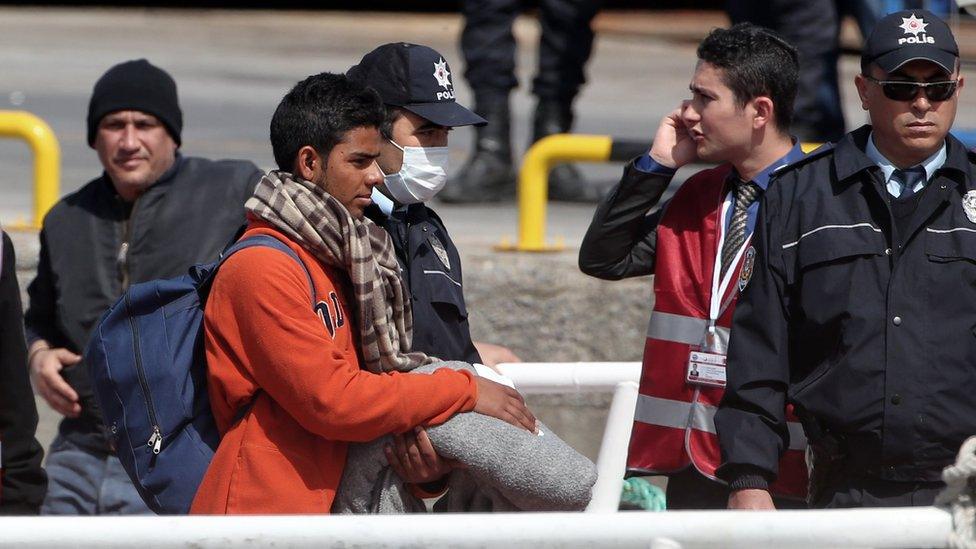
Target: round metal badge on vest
439, 250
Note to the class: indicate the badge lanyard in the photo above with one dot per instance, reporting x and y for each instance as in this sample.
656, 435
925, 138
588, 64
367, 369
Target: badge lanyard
716, 306
706, 363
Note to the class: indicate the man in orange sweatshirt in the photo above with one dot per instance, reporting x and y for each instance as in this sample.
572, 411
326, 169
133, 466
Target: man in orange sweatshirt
295, 364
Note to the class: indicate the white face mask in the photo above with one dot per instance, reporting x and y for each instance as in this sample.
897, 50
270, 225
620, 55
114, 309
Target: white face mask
422, 176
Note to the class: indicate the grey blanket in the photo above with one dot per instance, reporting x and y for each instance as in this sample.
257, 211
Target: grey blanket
508, 469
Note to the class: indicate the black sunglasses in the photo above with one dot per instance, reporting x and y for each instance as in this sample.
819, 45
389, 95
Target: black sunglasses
900, 90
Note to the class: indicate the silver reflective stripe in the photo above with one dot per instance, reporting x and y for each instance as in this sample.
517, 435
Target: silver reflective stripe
952, 230
703, 418
681, 329
456, 283
798, 439
821, 228
677, 414
663, 412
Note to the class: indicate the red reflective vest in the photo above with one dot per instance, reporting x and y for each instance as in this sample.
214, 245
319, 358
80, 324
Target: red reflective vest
673, 423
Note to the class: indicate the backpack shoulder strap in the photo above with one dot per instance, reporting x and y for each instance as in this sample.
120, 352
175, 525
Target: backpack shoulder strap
269, 242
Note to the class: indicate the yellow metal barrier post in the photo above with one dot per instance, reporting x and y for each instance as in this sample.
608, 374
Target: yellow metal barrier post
47, 160
533, 186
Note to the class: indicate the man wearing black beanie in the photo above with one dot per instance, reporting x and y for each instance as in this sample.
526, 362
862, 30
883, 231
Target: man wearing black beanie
136, 85
151, 214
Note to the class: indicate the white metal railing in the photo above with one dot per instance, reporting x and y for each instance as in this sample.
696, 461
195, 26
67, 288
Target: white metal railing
591, 377
879, 528
570, 377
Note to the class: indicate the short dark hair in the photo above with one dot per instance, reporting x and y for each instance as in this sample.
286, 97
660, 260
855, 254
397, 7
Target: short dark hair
393, 113
755, 62
318, 112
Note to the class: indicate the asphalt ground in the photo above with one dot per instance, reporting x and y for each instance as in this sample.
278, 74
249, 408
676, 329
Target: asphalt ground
232, 68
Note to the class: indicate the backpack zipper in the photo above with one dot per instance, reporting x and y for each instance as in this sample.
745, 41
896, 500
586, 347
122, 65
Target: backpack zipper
156, 439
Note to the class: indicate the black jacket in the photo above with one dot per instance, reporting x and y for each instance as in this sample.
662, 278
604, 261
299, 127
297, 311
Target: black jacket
440, 318
24, 482
93, 245
621, 241
873, 342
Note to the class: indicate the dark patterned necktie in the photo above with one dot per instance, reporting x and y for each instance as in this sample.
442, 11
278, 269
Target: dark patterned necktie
746, 193
908, 179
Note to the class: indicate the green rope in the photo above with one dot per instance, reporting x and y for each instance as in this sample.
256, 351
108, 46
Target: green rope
640, 493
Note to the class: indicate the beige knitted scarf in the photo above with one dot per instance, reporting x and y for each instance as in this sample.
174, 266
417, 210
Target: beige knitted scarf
323, 226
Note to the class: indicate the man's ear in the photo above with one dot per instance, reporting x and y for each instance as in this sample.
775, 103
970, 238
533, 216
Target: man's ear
861, 83
308, 163
764, 112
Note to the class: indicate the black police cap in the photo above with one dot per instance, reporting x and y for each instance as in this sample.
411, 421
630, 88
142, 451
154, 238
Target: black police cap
416, 78
911, 35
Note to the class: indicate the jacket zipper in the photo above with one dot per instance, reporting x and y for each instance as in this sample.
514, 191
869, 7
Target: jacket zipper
156, 439
123, 256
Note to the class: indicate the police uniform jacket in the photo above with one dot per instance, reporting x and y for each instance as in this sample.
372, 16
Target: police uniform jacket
870, 333
431, 267
94, 245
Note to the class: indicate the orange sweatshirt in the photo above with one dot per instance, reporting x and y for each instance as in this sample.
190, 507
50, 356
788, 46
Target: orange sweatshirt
300, 367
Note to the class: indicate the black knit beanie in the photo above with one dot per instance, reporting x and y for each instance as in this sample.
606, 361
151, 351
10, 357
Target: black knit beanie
139, 86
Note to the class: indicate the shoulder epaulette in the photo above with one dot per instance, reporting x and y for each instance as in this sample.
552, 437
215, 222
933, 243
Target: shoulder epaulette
819, 152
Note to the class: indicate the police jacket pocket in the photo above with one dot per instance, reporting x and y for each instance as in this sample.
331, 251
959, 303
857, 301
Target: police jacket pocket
828, 244
446, 291
945, 245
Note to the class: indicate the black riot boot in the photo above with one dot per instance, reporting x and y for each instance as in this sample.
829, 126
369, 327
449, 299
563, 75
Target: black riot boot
488, 175
566, 183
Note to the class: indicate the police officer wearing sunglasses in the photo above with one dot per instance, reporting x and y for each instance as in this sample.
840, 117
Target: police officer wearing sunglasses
861, 312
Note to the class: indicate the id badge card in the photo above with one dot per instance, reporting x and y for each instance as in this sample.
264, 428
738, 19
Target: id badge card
705, 368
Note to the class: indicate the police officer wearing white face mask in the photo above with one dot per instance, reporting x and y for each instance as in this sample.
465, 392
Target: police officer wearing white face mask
416, 84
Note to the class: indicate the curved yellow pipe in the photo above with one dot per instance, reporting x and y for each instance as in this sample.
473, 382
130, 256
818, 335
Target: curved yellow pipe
534, 175
47, 157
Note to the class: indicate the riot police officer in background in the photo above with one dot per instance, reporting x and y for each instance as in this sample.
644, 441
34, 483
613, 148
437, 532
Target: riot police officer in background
489, 53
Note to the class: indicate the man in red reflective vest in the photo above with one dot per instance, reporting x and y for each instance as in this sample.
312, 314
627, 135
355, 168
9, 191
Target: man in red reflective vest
697, 246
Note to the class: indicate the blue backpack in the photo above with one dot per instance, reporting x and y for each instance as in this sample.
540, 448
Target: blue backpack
149, 373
